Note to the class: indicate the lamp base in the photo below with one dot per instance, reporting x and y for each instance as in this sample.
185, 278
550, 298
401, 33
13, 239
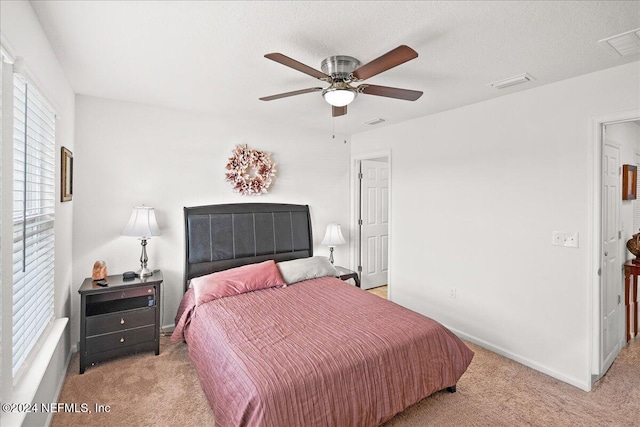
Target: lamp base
144, 272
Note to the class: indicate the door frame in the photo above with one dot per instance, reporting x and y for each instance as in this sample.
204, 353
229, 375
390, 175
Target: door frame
595, 225
353, 210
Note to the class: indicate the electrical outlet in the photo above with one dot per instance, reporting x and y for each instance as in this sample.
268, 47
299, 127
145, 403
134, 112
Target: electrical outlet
568, 239
452, 293
572, 240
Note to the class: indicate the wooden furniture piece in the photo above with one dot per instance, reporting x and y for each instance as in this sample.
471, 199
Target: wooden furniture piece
120, 318
631, 296
346, 274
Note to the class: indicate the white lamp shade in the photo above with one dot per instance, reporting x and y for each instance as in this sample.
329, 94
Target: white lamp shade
339, 97
333, 236
142, 223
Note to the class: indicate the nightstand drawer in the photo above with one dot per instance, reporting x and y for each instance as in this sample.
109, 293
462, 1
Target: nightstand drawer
121, 294
113, 322
128, 299
120, 339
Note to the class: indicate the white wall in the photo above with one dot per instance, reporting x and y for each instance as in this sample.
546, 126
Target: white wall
129, 154
23, 36
476, 194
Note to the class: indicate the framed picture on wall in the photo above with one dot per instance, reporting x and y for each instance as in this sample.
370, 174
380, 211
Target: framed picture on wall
629, 179
66, 176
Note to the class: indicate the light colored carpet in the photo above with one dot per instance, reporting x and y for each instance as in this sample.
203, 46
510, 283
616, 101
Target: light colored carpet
381, 291
141, 390
148, 390
496, 391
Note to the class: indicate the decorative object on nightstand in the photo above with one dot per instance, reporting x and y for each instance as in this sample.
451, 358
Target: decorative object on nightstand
99, 270
332, 238
633, 245
142, 225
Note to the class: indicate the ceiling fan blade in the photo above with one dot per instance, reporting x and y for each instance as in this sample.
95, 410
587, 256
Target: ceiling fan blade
338, 111
391, 59
390, 92
289, 62
293, 93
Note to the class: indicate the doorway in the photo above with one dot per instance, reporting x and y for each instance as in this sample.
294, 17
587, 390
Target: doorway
616, 142
371, 184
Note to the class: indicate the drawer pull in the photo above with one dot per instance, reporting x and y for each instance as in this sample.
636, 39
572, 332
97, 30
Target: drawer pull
149, 290
121, 339
122, 321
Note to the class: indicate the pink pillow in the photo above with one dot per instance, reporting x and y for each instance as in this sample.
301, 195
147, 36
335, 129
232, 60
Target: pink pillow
237, 281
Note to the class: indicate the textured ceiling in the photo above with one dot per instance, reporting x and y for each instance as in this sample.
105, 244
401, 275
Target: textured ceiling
208, 56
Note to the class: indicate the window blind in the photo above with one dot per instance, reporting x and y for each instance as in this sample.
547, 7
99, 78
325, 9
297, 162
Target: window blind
33, 218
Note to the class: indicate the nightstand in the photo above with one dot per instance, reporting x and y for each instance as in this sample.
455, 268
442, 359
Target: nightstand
346, 274
118, 319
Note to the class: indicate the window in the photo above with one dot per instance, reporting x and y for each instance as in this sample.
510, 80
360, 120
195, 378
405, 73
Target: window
33, 218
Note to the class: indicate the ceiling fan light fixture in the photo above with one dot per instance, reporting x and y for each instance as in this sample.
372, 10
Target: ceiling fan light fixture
338, 97
341, 71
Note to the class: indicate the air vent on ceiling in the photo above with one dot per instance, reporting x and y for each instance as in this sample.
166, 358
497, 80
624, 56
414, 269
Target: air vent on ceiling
625, 44
374, 121
511, 81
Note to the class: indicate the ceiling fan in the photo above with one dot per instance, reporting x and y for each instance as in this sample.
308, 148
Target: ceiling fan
341, 71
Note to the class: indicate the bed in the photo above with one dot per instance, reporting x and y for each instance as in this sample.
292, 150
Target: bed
317, 352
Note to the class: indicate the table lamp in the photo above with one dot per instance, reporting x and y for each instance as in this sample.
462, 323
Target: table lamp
142, 224
333, 238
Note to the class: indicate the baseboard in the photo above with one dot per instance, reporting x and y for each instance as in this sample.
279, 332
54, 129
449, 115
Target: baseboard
167, 330
522, 360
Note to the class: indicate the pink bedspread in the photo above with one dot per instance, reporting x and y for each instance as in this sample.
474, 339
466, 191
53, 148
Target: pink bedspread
316, 353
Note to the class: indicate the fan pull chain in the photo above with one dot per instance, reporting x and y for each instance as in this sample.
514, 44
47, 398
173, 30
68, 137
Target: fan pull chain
333, 129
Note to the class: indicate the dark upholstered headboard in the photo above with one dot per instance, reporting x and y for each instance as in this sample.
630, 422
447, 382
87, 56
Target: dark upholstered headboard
219, 237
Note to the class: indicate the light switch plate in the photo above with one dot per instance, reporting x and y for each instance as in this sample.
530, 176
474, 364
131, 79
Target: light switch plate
568, 239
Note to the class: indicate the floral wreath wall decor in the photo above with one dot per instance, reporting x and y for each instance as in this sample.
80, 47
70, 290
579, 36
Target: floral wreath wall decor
250, 171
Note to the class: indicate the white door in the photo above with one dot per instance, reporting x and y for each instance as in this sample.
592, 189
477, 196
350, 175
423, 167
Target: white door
612, 260
374, 215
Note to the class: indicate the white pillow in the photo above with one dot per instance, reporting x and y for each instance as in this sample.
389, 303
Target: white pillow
306, 268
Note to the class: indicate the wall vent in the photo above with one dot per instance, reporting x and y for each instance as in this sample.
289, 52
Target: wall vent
511, 81
625, 44
374, 121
